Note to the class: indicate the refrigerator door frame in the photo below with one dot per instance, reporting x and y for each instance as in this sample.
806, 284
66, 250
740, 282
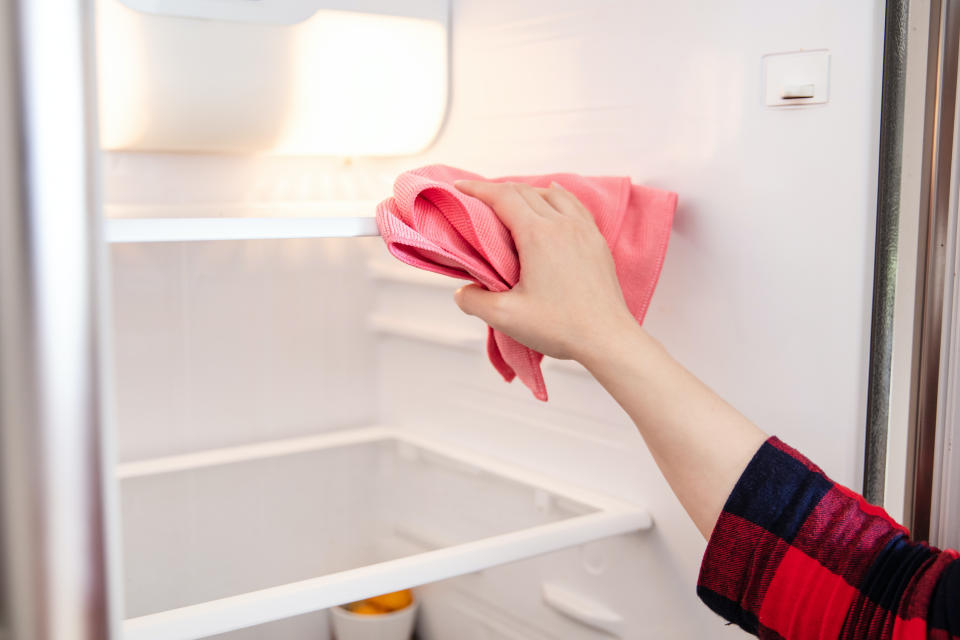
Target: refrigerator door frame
942, 455
938, 211
60, 580
945, 507
910, 399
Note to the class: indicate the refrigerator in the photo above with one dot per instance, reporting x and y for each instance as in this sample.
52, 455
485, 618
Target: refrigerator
252, 413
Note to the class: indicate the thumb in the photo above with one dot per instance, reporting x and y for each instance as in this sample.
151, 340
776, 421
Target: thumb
477, 301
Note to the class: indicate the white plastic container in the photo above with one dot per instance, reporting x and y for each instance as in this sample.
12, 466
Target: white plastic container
396, 625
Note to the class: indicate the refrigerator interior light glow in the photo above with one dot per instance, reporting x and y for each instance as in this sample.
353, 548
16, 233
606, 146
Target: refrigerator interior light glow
366, 85
339, 83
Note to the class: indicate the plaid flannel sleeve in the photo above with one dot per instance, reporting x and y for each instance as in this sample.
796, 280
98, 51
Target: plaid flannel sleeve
796, 556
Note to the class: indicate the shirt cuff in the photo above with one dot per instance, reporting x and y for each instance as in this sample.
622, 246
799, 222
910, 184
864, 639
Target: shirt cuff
790, 548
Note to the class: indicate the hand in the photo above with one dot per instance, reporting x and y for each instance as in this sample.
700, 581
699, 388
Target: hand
568, 302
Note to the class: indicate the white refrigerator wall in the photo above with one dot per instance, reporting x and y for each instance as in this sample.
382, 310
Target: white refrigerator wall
765, 293
766, 290
224, 343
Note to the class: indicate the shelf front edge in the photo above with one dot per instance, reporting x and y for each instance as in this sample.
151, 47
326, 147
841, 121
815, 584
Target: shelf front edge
130, 230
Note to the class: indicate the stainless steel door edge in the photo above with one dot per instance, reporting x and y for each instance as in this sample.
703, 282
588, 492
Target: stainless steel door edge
56, 546
885, 260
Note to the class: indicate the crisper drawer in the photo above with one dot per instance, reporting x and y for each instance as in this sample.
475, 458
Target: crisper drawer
609, 588
235, 538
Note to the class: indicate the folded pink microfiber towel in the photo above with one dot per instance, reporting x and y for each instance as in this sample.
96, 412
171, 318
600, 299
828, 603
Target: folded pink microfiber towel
431, 225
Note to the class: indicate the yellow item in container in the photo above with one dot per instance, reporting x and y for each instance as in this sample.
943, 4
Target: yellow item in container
393, 601
387, 603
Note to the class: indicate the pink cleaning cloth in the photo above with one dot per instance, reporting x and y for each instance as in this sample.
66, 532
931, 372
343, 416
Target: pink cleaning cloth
431, 225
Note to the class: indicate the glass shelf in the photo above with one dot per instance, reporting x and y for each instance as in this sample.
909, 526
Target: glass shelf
240, 222
232, 538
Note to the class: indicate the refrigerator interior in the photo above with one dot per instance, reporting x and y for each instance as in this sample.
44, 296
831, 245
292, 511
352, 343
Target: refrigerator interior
765, 295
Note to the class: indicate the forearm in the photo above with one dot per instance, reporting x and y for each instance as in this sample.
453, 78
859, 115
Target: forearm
700, 442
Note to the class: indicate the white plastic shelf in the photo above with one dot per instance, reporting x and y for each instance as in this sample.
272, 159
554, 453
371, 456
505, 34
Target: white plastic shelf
126, 224
232, 538
455, 337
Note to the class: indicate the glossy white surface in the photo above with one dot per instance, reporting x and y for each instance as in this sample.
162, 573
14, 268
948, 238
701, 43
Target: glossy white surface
767, 284
225, 343
240, 221
584, 610
288, 11
197, 229
287, 76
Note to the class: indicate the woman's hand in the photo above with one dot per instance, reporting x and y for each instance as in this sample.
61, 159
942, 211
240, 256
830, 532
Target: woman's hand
568, 302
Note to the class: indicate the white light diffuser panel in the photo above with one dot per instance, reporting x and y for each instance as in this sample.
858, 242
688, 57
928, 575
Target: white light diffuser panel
313, 77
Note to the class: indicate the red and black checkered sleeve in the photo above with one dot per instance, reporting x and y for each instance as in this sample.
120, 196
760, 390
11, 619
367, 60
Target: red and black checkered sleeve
796, 556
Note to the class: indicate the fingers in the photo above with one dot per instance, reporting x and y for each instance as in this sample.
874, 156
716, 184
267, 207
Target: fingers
564, 202
535, 200
515, 204
518, 204
507, 203
477, 301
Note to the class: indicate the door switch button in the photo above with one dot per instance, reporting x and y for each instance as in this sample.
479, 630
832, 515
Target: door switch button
796, 92
793, 79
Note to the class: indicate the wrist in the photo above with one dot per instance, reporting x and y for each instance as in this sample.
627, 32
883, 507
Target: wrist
607, 344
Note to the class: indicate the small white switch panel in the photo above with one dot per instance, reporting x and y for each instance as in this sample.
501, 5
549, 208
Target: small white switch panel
796, 78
